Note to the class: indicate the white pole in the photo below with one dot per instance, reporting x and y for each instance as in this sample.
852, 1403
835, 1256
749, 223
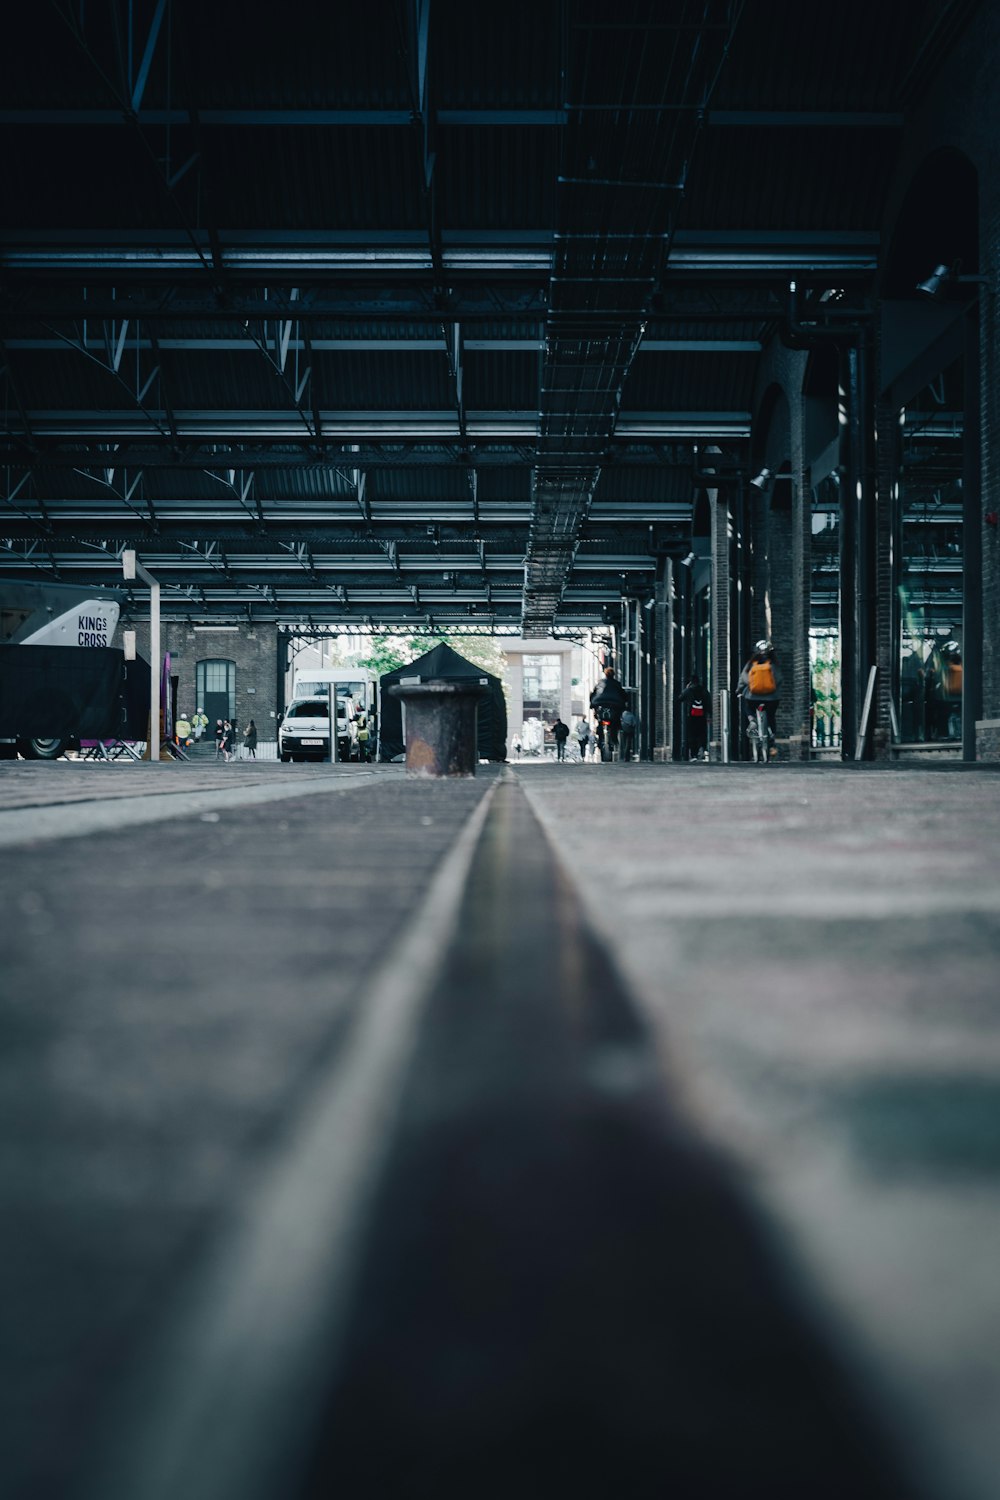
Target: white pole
132, 568
859, 750
724, 725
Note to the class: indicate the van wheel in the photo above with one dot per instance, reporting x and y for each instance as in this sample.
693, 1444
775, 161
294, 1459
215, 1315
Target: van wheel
285, 756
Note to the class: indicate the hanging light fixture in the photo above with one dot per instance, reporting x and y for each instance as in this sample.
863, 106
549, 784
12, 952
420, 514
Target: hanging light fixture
931, 287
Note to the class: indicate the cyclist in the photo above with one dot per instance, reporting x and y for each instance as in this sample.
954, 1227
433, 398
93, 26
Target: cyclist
609, 701
760, 682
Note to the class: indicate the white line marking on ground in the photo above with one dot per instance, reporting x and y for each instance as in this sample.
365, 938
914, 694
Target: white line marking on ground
228, 1398
25, 825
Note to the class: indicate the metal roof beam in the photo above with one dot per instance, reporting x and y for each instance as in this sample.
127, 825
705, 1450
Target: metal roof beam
350, 427
415, 453
503, 255
848, 119
416, 344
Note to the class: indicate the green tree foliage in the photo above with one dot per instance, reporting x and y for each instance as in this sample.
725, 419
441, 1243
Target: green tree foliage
387, 650
391, 651
485, 651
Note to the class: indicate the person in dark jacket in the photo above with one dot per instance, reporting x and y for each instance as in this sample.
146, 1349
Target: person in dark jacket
560, 733
697, 703
609, 700
250, 740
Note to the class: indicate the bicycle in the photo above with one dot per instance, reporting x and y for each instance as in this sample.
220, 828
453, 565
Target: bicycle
607, 737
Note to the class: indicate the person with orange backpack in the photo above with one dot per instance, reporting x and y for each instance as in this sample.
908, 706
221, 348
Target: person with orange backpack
760, 682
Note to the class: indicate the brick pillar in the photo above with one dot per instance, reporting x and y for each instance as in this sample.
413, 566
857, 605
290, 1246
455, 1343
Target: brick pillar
663, 658
723, 673
988, 726
782, 599
887, 603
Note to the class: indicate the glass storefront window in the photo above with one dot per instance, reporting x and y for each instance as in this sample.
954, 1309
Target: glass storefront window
824, 615
824, 674
931, 594
542, 685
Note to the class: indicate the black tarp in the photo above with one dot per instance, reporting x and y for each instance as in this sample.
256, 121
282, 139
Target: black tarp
443, 664
59, 692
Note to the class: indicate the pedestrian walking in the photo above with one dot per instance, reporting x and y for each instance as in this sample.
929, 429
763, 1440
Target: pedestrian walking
228, 737
583, 736
697, 703
250, 740
220, 735
560, 733
628, 734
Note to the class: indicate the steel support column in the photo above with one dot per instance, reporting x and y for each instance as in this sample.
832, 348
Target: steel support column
663, 635
972, 542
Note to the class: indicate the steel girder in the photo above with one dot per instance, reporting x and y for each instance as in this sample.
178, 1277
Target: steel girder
624, 169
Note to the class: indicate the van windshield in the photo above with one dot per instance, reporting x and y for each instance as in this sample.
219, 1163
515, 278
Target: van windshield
314, 708
314, 689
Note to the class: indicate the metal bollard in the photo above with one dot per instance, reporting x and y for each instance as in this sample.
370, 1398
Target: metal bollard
441, 737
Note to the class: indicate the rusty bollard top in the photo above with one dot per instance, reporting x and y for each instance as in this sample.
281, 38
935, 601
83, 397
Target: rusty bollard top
441, 726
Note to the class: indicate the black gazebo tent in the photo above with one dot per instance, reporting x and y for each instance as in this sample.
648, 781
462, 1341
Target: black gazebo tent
443, 663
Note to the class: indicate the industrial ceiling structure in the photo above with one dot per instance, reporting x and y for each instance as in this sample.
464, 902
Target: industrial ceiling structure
416, 312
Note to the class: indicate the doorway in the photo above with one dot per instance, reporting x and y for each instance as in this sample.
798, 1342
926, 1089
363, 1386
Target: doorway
215, 690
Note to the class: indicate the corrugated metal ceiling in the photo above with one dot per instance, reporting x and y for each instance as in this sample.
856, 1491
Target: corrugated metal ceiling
444, 234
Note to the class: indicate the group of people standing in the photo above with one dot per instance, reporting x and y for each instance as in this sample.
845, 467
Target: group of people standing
191, 729
226, 731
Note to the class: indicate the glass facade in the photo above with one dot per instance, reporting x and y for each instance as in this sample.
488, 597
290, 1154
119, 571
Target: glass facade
542, 682
930, 540
824, 615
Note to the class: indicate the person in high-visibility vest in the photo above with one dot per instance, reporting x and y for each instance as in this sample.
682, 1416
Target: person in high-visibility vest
182, 730
364, 738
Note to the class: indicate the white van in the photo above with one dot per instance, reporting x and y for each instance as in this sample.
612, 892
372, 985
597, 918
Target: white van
356, 683
304, 730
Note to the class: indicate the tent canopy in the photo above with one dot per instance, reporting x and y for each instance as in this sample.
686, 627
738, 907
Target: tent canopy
444, 664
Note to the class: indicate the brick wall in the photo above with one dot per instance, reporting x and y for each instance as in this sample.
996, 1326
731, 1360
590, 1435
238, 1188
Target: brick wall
663, 625
253, 650
723, 673
783, 530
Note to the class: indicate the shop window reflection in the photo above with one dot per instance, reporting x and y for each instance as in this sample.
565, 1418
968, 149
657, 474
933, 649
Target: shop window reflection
824, 615
931, 557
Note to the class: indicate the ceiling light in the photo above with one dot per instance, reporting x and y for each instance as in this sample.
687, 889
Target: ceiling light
935, 281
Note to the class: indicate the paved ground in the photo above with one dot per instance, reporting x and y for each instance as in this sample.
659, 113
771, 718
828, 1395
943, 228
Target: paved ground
817, 950
318, 1167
